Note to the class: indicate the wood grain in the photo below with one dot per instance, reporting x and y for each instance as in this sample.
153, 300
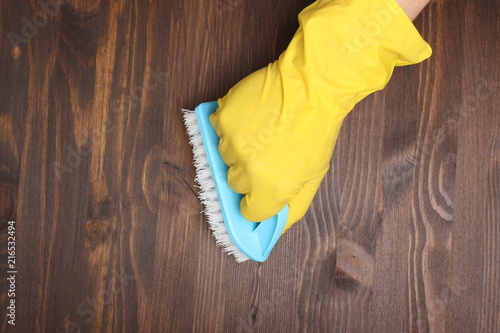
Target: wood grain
96, 170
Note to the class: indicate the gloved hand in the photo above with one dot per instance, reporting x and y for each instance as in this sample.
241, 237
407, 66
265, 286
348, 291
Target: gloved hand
279, 125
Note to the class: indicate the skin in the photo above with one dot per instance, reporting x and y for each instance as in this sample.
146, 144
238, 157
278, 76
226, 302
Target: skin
412, 7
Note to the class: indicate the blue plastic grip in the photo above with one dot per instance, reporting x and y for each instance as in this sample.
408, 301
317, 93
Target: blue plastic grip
254, 239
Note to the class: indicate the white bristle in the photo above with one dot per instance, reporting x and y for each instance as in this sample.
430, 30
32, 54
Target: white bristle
207, 193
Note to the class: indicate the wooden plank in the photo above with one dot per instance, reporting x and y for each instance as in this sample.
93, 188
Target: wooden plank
96, 170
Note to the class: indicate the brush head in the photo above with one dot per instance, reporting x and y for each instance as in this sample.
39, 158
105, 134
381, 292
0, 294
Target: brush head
207, 192
238, 236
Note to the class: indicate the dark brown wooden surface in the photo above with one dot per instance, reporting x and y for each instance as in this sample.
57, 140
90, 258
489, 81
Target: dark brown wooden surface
96, 170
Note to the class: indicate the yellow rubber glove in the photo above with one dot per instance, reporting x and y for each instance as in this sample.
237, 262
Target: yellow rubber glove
279, 125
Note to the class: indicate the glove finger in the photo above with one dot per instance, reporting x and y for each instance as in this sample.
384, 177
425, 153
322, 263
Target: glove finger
237, 179
259, 205
298, 206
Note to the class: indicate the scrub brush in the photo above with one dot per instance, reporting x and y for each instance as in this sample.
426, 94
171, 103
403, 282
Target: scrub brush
238, 236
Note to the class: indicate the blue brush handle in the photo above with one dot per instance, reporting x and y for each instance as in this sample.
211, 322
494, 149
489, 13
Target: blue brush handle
255, 240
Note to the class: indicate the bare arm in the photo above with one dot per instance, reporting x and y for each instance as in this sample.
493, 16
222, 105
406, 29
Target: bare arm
412, 7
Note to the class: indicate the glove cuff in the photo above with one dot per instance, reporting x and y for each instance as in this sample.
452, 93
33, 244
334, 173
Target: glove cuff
367, 24
346, 49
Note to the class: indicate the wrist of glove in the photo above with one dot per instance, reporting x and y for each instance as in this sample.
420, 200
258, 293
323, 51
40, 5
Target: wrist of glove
278, 126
